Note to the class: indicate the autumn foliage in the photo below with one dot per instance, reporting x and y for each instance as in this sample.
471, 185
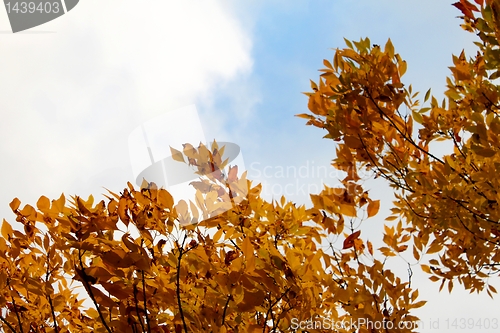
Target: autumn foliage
448, 201
229, 261
252, 268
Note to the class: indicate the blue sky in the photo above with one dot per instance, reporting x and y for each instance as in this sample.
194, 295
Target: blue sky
289, 42
73, 92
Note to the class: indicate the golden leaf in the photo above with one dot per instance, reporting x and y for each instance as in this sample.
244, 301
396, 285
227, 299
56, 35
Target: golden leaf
43, 203
14, 205
6, 229
348, 210
177, 155
373, 207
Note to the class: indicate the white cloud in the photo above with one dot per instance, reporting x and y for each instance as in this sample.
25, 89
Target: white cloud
70, 98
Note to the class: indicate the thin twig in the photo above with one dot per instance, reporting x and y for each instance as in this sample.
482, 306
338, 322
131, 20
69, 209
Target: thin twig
14, 306
86, 284
271, 307
56, 328
410, 275
145, 306
7, 323
137, 308
225, 309
178, 285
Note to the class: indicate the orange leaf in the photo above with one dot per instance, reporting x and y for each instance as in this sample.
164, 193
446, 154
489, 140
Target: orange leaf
348, 210
373, 208
464, 9
370, 247
402, 248
43, 203
177, 155
233, 174
14, 205
6, 229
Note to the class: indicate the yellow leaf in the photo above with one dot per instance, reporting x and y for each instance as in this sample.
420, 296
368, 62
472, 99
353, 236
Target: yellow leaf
436, 246
28, 211
358, 244
177, 155
217, 235
426, 268
92, 313
129, 243
165, 198
370, 247
59, 203
14, 205
247, 247
389, 48
417, 117
373, 207
402, 65
402, 248
416, 255
194, 211
387, 252
43, 203
418, 304
6, 229
348, 210
305, 116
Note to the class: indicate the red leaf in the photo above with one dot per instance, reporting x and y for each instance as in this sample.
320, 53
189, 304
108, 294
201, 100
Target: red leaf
230, 256
466, 11
469, 5
349, 241
233, 174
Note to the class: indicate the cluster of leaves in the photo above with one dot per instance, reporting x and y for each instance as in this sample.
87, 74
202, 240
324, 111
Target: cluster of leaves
250, 268
449, 202
230, 261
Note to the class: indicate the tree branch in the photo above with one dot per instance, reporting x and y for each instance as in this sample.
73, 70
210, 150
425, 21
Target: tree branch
137, 308
86, 284
145, 305
178, 285
14, 306
8, 325
225, 309
56, 328
272, 305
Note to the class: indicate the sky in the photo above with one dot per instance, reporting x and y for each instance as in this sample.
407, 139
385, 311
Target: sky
74, 89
